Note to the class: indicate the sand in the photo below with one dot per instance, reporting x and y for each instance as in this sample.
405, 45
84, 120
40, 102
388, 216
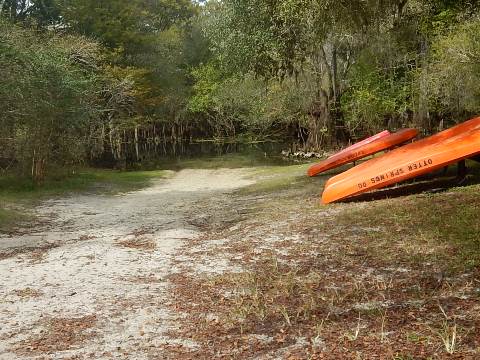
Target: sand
92, 281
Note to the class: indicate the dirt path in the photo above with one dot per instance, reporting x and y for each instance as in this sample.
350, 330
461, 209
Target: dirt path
91, 281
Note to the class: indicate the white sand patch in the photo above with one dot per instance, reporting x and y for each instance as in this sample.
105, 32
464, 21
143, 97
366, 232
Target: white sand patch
107, 256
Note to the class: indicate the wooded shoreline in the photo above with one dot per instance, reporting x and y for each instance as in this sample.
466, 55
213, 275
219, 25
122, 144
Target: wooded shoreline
76, 88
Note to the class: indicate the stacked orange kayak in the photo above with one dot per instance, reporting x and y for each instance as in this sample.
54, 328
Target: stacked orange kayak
435, 152
357, 152
363, 142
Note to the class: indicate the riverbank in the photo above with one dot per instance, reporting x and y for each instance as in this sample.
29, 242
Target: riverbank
244, 263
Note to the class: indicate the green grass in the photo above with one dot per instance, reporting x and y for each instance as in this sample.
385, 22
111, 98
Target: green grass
419, 227
18, 195
96, 180
9, 218
277, 178
442, 228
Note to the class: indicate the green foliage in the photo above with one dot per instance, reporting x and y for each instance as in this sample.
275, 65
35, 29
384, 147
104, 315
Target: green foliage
371, 64
227, 104
314, 39
452, 76
289, 101
168, 75
274, 39
152, 38
207, 80
380, 85
124, 24
249, 103
45, 95
68, 98
329, 69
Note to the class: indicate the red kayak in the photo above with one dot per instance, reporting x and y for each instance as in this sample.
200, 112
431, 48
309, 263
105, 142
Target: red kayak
363, 142
421, 157
363, 150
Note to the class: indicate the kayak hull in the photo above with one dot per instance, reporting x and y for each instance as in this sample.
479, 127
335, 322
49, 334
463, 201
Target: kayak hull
363, 151
410, 161
363, 142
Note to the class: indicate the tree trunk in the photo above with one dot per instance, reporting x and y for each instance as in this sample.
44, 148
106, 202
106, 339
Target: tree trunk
137, 152
335, 76
320, 123
38, 168
2, 3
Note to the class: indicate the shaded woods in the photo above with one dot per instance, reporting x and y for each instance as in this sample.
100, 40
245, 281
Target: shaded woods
83, 78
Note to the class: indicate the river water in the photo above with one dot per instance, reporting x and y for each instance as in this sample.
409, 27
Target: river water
202, 155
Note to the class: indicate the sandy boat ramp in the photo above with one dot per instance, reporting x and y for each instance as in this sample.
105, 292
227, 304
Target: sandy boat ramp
90, 281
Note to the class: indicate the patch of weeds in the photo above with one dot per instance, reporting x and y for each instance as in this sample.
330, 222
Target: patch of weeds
417, 338
276, 178
285, 303
59, 334
442, 228
139, 244
447, 333
354, 334
280, 295
28, 293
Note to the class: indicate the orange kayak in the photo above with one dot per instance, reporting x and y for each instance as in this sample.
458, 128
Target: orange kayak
363, 142
362, 151
421, 157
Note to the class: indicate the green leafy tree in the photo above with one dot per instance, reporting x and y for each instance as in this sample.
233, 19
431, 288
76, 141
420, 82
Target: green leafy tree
452, 75
285, 38
43, 12
46, 96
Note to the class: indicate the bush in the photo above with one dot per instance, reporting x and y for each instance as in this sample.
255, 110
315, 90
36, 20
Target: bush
452, 77
47, 97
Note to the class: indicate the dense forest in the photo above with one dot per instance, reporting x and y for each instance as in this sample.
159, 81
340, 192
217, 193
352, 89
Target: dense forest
82, 78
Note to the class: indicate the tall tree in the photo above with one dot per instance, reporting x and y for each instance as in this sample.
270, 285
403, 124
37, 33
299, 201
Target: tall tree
284, 38
43, 12
124, 24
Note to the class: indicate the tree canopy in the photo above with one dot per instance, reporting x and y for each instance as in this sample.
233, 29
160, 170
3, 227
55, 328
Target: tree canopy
319, 72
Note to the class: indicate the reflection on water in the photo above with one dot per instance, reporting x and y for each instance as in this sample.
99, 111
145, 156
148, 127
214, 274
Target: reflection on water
149, 156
